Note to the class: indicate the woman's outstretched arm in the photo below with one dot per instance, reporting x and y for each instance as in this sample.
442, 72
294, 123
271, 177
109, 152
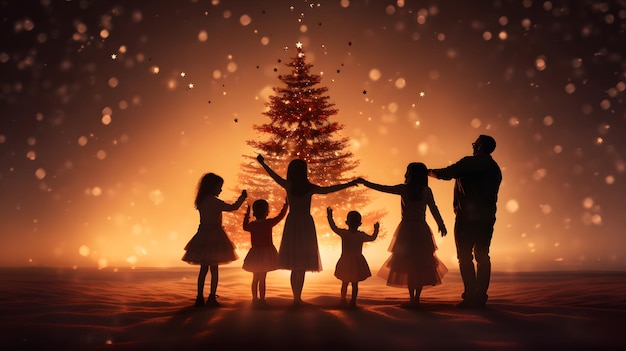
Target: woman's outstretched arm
332, 188
389, 189
278, 179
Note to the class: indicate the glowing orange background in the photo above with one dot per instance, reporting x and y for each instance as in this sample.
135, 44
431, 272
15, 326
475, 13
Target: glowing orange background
109, 121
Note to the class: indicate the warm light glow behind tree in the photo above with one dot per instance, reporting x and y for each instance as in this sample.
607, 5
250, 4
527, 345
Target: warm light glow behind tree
300, 126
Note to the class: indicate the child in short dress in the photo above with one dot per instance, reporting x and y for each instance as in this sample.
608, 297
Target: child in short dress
262, 256
210, 246
351, 267
413, 263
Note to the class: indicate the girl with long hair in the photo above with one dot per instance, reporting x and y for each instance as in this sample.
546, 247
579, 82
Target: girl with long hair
210, 246
413, 263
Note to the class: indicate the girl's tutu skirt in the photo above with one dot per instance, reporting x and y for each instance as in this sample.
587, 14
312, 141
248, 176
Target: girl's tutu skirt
352, 268
399, 269
261, 259
210, 248
413, 257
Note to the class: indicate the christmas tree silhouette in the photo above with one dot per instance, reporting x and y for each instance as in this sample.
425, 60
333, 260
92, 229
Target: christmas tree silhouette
300, 126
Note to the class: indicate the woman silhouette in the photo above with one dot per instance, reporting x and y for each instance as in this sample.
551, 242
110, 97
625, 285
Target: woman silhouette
299, 251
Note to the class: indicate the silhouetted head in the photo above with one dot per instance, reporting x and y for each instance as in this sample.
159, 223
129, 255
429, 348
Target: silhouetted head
484, 145
297, 170
353, 219
416, 172
210, 185
260, 208
416, 177
297, 176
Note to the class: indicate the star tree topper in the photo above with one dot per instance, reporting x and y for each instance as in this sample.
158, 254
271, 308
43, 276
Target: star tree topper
299, 47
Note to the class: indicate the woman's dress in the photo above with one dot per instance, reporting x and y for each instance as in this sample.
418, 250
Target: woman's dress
299, 249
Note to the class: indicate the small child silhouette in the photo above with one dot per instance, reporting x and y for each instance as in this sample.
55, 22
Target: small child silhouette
263, 256
210, 246
351, 267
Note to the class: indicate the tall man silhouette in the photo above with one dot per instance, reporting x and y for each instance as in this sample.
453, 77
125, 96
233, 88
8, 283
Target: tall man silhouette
477, 181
